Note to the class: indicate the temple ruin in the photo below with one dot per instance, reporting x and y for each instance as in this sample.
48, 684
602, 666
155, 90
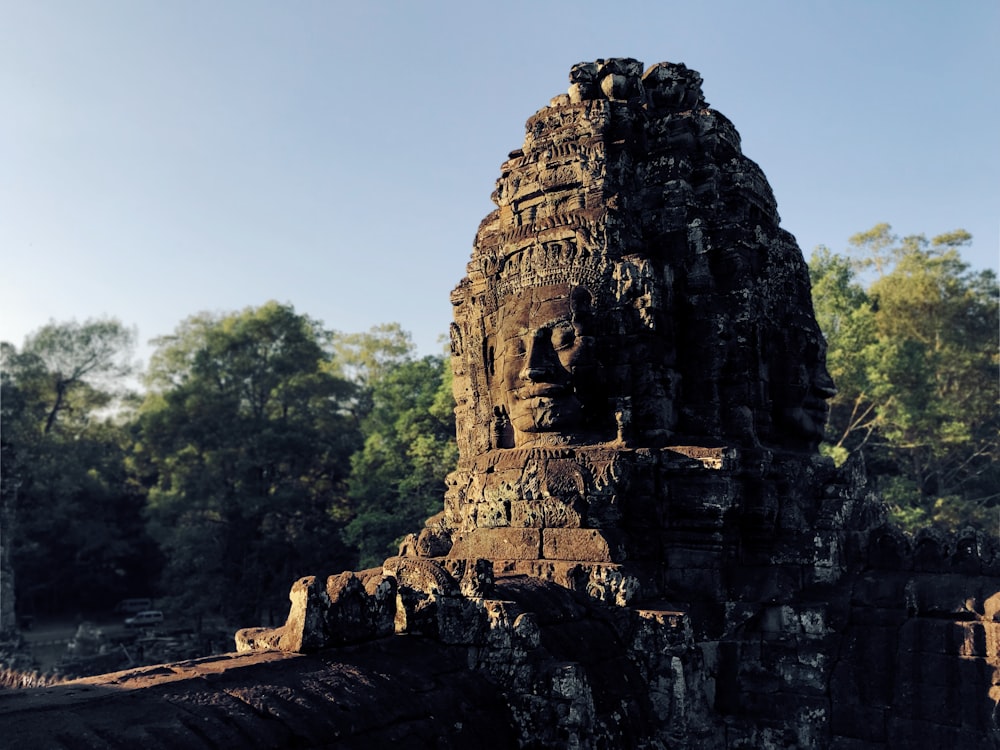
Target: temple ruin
641, 545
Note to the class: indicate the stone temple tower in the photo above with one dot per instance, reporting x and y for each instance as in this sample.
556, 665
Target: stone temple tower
637, 364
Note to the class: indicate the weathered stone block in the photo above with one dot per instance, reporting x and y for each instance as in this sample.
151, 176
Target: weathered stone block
461, 620
763, 582
923, 733
991, 631
475, 577
498, 544
548, 512
695, 583
850, 743
991, 607
258, 639
926, 688
585, 545
491, 513
361, 606
950, 594
977, 708
922, 635
432, 542
881, 590
867, 671
305, 627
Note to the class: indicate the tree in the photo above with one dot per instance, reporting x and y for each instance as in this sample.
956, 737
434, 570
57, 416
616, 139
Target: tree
845, 315
245, 444
397, 478
915, 359
14, 436
73, 366
71, 520
365, 358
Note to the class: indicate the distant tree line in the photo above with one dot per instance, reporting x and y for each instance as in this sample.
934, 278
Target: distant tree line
265, 447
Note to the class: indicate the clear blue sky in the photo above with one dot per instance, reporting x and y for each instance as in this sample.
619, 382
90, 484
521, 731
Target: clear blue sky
158, 158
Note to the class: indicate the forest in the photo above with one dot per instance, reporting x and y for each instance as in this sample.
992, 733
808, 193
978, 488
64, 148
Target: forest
259, 446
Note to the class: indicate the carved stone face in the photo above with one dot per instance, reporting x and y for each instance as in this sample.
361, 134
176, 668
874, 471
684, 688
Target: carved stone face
541, 349
806, 409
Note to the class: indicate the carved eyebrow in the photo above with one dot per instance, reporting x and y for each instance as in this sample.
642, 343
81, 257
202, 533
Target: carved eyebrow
516, 339
563, 321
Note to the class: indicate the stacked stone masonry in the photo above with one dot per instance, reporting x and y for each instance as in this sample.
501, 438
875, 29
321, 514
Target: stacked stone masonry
641, 545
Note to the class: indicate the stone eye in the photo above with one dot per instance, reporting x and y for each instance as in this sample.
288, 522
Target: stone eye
563, 338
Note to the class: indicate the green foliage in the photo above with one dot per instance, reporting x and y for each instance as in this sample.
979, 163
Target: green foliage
246, 444
845, 315
72, 369
914, 356
79, 540
266, 448
364, 358
397, 478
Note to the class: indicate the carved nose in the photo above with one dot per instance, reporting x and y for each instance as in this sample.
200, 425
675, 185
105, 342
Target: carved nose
539, 360
824, 385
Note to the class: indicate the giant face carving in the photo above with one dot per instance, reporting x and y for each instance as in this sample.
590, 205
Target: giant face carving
805, 392
544, 357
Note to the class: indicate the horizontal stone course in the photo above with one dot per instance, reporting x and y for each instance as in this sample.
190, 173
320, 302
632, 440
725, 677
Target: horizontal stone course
585, 545
504, 543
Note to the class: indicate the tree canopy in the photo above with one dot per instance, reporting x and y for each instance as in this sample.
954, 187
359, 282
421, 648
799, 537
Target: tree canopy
246, 443
265, 448
72, 367
912, 336
72, 520
397, 478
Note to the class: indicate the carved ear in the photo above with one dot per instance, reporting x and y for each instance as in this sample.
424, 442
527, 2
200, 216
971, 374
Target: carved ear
503, 431
581, 303
489, 356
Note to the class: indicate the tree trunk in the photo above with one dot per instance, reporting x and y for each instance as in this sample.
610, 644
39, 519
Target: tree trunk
8, 615
61, 386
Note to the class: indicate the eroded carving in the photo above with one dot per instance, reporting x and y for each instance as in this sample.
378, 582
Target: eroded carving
546, 370
631, 191
632, 292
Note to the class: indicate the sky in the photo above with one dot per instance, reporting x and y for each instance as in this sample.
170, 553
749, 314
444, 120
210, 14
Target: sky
160, 159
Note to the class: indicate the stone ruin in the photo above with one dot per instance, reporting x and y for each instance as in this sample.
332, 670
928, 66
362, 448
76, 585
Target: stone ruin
641, 545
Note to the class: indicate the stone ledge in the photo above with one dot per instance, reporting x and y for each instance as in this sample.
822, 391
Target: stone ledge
354, 698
